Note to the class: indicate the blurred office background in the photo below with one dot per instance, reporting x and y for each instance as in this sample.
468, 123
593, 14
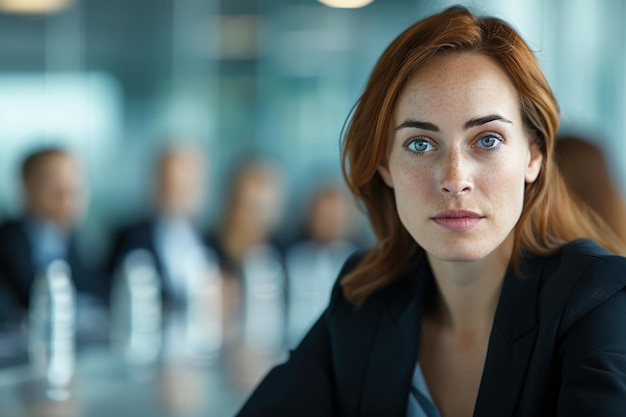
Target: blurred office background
112, 79
117, 80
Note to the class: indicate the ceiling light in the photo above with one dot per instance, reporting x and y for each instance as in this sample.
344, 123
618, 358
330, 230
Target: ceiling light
346, 4
33, 6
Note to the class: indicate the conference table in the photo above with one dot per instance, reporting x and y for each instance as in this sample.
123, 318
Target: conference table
104, 384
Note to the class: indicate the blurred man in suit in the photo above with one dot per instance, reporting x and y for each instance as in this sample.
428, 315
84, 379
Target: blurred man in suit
52, 186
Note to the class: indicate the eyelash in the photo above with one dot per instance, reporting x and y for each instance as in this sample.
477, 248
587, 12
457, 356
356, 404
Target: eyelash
498, 137
414, 139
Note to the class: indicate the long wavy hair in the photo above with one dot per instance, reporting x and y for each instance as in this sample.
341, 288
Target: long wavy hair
550, 216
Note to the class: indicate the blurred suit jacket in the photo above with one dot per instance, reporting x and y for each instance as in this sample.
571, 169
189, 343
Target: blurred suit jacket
557, 346
139, 235
18, 270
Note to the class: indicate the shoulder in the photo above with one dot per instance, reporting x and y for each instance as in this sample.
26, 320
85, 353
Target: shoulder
352, 262
129, 236
593, 277
594, 267
583, 262
134, 228
337, 297
395, 296
591, 332
10, 225
11, 228
14, 242
585, 248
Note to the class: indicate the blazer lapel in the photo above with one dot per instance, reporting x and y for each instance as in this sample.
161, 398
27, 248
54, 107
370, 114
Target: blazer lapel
511, 343
512, 340
393, 356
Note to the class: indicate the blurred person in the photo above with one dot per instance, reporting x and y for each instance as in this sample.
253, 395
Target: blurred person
586, 171
170, 231
315, 258
484, 294
251, 260
53, 193
251, 215
331, 216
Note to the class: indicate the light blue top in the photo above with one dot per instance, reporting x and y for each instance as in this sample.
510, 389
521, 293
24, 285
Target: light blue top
421, 403
48, 242
180, 247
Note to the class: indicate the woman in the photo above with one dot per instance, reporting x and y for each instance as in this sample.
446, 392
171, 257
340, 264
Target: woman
251, 214
482, 297
249, 256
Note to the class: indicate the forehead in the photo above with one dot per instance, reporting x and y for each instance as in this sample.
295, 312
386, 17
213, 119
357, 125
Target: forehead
180, 162
459, 82
58, 163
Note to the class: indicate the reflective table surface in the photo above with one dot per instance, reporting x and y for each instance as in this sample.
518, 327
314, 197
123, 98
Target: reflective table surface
105, 385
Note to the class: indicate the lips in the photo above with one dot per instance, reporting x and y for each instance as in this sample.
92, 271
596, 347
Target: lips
457, 220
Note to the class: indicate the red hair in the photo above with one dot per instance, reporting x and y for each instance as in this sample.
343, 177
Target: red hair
550, 217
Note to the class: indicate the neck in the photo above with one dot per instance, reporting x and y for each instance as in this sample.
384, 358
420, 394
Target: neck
468, 292
36, 218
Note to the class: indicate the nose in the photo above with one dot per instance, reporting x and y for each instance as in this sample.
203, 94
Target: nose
455, 176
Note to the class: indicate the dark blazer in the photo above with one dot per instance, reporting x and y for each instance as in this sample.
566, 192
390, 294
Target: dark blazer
139, 235
557, 346
17, 268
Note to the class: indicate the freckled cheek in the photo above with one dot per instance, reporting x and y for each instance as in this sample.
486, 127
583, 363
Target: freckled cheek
506, 191
413, 191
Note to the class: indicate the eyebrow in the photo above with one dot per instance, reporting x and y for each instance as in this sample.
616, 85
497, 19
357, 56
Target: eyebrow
478, 121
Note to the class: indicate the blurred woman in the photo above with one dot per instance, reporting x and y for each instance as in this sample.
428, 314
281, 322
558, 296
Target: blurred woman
251, 261
252, 212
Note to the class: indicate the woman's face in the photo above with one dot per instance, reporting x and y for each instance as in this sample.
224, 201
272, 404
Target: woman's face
459, 157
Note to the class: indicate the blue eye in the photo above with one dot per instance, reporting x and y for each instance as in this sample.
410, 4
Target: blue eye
489, 141
419, 146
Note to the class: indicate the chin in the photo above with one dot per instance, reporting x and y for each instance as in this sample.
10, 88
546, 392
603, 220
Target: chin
457, 257
458, 252
470, 250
